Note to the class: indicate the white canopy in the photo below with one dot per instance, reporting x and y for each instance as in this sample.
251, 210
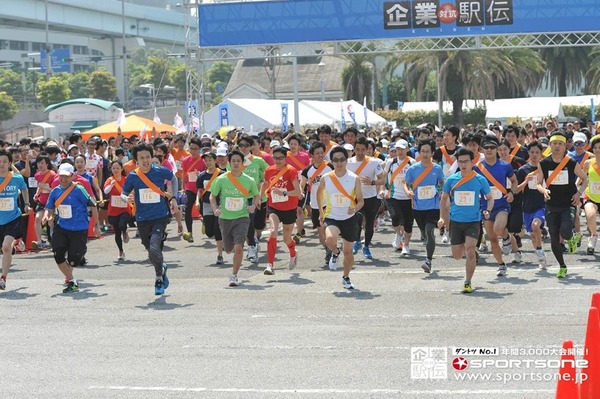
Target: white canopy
260, 114
522, 109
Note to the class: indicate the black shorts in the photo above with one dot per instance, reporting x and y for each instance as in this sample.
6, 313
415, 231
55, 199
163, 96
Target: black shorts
285, 217
401, 213
12, 228
38, 206
460, 230
260, 217
70, 243
314, 216
302, 202
515, 220
148, 228
349, 230
428, 216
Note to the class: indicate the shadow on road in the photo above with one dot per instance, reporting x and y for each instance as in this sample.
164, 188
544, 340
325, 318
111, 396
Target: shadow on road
574, 278
482, 293
250, 287
294, 279
356, 294
512, 280
434, 275
161, 303
16, 294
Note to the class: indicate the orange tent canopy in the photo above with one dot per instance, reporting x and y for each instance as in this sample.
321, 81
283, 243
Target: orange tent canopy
132, 126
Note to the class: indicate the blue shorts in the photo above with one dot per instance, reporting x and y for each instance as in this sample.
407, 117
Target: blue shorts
528, 218
496, 211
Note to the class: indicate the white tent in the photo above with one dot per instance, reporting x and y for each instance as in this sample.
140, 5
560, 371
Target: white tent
260, 114
523, 109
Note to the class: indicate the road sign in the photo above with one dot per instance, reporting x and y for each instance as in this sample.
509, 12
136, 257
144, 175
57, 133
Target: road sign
60, 60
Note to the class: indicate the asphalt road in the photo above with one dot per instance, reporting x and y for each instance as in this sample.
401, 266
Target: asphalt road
292, 335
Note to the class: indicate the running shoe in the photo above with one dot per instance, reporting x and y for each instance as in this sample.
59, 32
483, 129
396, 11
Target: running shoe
293, 262
71, 286
188, 237
164, 276
572, 244
356, 247
483, 247
121, 256
21, 245
405, 251
347, 283
269, 270
467, 288
297, 238
518, 257
159, 288
562, 272
426, 266
541, 259
367, 252
397, 243
333, 262
35, 244
303, 233
578, 237
233, 281
506, 246
445, 238
2, 284
501, 271
252, 254
220, 260
591, 248
125, 237
327, 256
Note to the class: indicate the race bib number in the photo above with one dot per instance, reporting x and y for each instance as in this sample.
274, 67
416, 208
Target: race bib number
192, 177
532, 184
65, 211
464, 198
278, 197
117, 202
561, 179
426, 192
496, 194
595, 187
147, 196
399, 181
45, 187
7, 204
91, 164
32, 182
340, 201
234, 204
178, 164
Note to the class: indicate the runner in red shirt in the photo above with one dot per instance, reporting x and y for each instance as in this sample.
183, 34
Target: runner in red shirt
192, 166
119, 211
299, 160
44, 177
282, 189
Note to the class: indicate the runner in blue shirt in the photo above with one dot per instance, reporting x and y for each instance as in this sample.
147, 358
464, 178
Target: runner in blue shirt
152, 210
460, 204
10, 214
70, 202
498, 173
424, 178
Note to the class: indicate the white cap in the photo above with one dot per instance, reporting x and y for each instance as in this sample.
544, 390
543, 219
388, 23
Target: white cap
579, 137
275, 143
205, 136
348, 147
223, 144
384, 142
221, 152
66, 169
395, 131
402, 144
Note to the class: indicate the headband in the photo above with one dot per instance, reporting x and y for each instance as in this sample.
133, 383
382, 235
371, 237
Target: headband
557, 137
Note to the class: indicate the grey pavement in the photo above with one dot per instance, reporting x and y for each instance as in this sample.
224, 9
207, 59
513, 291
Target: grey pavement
292, 335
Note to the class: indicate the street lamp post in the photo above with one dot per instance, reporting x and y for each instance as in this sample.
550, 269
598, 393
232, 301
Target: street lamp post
321, 68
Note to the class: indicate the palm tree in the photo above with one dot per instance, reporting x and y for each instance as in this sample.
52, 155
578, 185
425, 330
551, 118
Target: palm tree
357, 77
472, 74
566, 66
593, 73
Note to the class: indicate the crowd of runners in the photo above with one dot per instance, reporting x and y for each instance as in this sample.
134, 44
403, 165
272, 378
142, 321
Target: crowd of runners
495, 184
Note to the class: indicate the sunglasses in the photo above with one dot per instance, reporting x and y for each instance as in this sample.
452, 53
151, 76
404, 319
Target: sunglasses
489, 147
579, 144
338, 159
243, 145
279, 158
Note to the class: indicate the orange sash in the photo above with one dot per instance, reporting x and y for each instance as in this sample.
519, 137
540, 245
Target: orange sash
515, 150
463, 180
237, 184
149, 183
399, 169
340, 188
297, 164
585, 158
191, 167
7, 180
212, 179
362, 166
558, 169
244, 163
46, 176
317, 173
64, 195
491, 178
329, 147
448, 157
274, 179
422, 175
594, 164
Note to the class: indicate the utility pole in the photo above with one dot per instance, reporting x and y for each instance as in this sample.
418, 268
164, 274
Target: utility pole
125, 80
194, 75
48, 49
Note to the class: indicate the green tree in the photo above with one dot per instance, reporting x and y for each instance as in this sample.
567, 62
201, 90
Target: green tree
158, 71
54, 90
471, 74
357, 77
138, 75
8, 107
79, 83
104, 85
10, 83
178, 78
219, 72
593, 73
566, 66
